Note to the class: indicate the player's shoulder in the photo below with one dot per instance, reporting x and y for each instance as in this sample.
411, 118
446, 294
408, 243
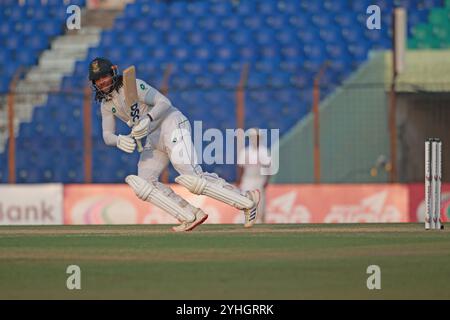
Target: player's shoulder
106, 106
142, 85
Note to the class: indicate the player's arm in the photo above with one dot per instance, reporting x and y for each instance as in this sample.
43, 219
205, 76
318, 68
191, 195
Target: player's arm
125, 143
157, 102
158, 105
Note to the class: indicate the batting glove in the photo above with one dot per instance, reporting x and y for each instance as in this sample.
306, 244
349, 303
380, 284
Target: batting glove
140, 130
126, 143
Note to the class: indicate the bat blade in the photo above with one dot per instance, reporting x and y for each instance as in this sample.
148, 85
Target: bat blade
131, 97
129, 84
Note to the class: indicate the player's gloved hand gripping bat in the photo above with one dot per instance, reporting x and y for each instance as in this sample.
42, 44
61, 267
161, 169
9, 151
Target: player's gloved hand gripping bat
131, 99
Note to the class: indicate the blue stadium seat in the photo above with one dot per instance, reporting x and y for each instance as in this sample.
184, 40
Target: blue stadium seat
50, 27
120, 24
336, 50
204, 53
198, 9
241, 38
128, 40
150, 38
279, 79
331, 34
3, 169
186, 24
267, 7
4, 84
254, 22
361, 5
258, 79
322, 20
108, 38
26, 58
132, 11
196, 38
176, 38
222, 8
229, 80
208, 23
37, 42
181, 81
265, 36
336, 7
345, 19
14, 43
6, 28
207, 42
358, 51
249, 53
226, 53
178, 9
351, 34
57, 12
28, 27
232, 23
115, 53
139, 54
312, 7
18, 15
204, 81
246, 8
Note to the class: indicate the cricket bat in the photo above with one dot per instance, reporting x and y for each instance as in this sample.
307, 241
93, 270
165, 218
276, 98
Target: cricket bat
131, 97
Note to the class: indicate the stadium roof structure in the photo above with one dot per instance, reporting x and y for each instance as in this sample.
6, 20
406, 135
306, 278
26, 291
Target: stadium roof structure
425, 71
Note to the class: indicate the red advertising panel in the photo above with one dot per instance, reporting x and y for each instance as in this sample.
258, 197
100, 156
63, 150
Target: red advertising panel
417, 202
117, 204
337, 203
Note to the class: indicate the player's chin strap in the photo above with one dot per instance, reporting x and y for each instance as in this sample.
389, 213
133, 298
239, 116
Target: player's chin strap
151, 193
212, 186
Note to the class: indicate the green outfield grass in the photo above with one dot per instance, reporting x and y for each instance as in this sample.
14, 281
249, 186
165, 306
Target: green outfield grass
225, 262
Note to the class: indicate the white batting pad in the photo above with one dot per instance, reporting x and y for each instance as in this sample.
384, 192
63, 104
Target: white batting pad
150, 193
215, 188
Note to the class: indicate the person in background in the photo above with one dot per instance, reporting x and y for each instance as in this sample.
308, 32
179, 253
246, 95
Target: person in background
253, 169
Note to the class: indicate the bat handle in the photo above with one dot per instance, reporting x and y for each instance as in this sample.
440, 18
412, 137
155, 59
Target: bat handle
139, 145
130, 123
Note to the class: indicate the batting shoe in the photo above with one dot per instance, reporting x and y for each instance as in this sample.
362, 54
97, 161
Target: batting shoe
252, 213
200, 217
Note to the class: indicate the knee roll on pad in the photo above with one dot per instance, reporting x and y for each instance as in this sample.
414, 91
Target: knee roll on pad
160, 198
141, 188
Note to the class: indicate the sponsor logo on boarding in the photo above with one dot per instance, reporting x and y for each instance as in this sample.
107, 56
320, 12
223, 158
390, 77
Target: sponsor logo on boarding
31, 204
103, 209
286, 209
41, 212
370, 209
445, 208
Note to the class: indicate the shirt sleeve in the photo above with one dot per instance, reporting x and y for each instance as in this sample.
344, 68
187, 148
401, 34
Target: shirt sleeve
157, 102
108, 127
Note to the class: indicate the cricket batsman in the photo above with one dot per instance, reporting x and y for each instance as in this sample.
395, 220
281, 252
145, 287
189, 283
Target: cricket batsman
168, 138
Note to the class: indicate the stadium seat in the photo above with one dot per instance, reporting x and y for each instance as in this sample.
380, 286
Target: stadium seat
283, 42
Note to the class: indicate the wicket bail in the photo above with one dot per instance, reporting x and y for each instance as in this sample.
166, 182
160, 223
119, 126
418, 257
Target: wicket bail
433, 175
